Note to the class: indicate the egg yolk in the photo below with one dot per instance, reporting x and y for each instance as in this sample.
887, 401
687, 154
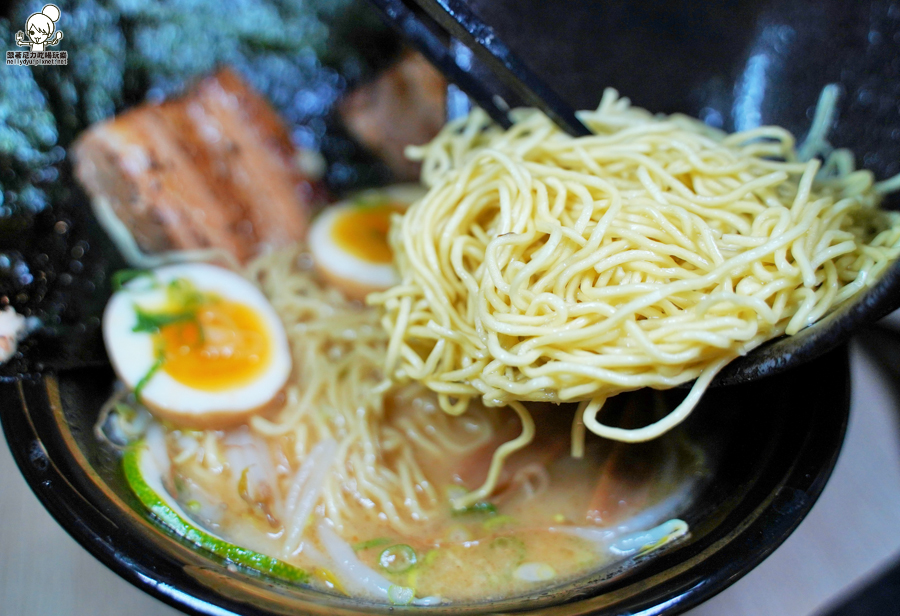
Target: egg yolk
362, 232
226, 346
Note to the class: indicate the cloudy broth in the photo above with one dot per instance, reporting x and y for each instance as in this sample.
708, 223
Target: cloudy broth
529, 534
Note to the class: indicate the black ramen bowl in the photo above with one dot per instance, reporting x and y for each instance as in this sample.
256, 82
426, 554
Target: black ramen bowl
771, 444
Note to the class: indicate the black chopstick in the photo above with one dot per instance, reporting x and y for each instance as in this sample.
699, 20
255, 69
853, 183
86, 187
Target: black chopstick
453, 18
422, 32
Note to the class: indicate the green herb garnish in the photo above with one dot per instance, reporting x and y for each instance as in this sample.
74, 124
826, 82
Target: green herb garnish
124, 276
146, 378
151, 322
400, 595
482, 507
182, 292
371, 543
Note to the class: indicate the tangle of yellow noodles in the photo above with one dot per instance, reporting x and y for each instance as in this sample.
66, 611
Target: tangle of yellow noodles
338, 391
545, 267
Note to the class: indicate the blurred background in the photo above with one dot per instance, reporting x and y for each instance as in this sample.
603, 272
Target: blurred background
352, 95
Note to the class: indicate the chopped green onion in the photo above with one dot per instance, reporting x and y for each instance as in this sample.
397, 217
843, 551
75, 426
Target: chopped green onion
482, 507
397, 558
124, 276
400, 595
151, 322
371, 543
146, 378
182, 292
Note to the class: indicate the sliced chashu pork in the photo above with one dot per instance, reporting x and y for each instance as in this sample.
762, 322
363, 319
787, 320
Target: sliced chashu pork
405, 105
212, 168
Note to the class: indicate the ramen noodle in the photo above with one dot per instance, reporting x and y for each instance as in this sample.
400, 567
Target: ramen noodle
545, 267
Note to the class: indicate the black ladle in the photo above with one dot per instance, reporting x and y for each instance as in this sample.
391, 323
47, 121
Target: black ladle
431, 26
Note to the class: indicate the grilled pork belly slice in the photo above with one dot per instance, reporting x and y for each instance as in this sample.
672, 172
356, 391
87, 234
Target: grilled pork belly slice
405, 105
214, 168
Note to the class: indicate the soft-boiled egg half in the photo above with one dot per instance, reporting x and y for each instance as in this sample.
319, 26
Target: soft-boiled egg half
349, 242
198, 344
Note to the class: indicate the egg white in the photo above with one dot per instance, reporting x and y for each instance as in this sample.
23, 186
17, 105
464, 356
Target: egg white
132, 354
353, 275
